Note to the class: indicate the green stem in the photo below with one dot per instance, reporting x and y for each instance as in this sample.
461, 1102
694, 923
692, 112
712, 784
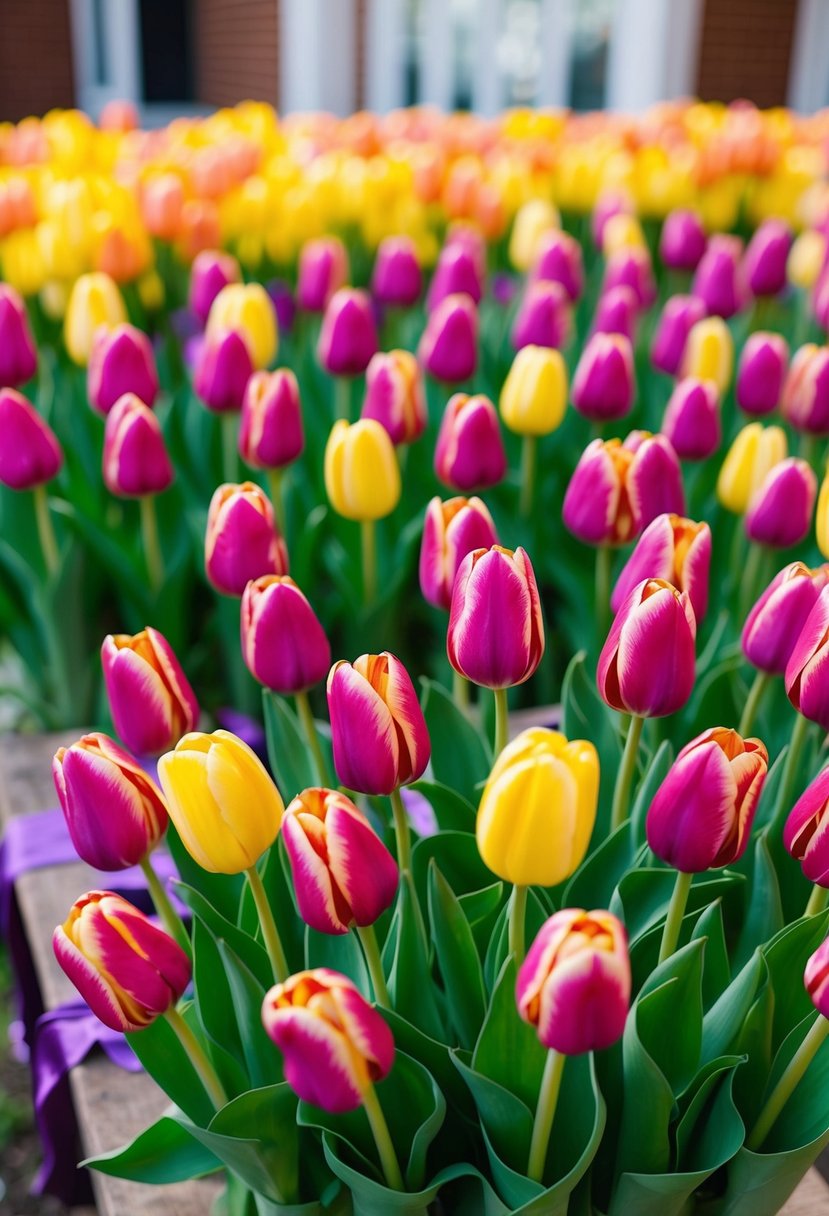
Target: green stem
277, 501
545, 1113
517, 921
342, 398
755, 696
382, 1138
604, 558
368, 535
528, 466
371, 950
752, 578
808, 448
624, 777
501, 721
306, 717
164, 907
230, 455
790, 772
788, 1082
676, 911
46, 531
152, 545
273, 943
401, 832
460, 691
817, 900
198, 1058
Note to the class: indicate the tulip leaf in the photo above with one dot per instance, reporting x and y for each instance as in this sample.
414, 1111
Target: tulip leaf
409, 975
341, 952
275, 872
287, 750
656, 773
648, 1100
679, 979
453, 812
164, 1152
786, 956
764, 915
159, 1050
246, 994
595, 880
498, 948
215, 1009
508, 1050
253, 955
438, 1058
458, 960
461, 756
716, 970
641, 899
458, 858
221, 891
506, 1120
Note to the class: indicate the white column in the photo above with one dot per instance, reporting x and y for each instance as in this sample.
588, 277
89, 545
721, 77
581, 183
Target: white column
556, 43
809, 65
385, 54
682, 58
436, 67
317, 48
636, 70
120, 48
487, 86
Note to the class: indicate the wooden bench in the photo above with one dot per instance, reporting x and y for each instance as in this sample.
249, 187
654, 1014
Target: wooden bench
113, 1105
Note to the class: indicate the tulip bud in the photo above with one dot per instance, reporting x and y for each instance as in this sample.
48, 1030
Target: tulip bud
622, 231
780, 511
631, 268
806, 685
394, 395
544, 317
135, 456
30, 454
617, 488
121, 361
692, 419
816, 978
766, 258
362, 476
761, 373
805, 833
114, 812
270, 431
676, 550
807, 258
162, 202
323, 270
574, 985
709, 352
534, 395
335, 1044
533, 222
617, 312
451, 530
805, 402
242, 541
608, 205
348, 337
222, 371
776, 620
18, 355
820, 301
719, 280
343, 873
496, 632
679, 316
127, 970
604, 384
397, 279
448, 348
283, 643
210, 272
682, 240
647, 663
150, 699
751, 457
94, 301
457, 272
538, 808
469, 452
221, 800
247, 309
560, 261
378, 731
822, 518
701, 815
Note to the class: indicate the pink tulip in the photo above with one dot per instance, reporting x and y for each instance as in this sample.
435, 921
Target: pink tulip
397, 279
448, 348
394, 395
30, 454
816, 978
761, 373
766, 257
450, 531
676, 550
544, 317
780, 511
18, 354
210, 272
348, 337
617, 312
121, 361
775, 622
271, 435
631, 268
323, 270
136, 462
806, 834
682, 240
457, 272
805, 402
678, 318
608, 205
469, 453
807, 671
560, 260
242, 541
692, 419
223, 369
719, 280
283, 643
604, 384
151, 701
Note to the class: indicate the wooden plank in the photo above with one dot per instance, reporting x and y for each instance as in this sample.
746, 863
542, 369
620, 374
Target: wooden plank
810, 1199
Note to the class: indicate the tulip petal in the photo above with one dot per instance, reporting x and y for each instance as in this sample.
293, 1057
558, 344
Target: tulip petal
319, 1064
366, 748
363, 868
313, 885
93, 987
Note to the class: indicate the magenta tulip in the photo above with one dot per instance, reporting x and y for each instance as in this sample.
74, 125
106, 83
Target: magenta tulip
719, 279
766, 257
394, 395
608, 205
805, 402
807, 671
469, 453
18, 354
397, 279
543, 318
617, 312
121, 361
271, 435
780, 511
761, 373
30, 454
631, 268
242, 541
283, 643
816, 978
560, 260
676, 550
151, 701
450, 531
775, 622
692, 419
136, 462
604, 384
806, 834
223, 369
323, 270
348, 337
678, 318
448, 348
211, 271
682, 240
457, 272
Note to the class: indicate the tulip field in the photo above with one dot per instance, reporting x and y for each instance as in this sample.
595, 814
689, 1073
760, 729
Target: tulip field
417, 528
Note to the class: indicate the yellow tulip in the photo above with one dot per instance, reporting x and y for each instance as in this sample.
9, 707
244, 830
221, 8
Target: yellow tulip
753, 454
247, 308
538, 808
822, 518
94, 301
532, 222
362, 477
53, 298
709, 352
151, 291
806, 258
622, 232
534, 395
224, 805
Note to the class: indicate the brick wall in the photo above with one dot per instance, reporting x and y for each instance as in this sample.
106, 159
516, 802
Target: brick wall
236, 51
35, 58
745, 50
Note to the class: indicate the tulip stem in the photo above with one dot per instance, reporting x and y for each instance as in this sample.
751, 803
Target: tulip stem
306, 717
401, 832
277, 501
624, 777
273, 943
528, 465
371, 950
197, 1057
784, 1088
150, 541
790, 772
460, 691
676, 911
755, 696
230, 456
163, 905
45, 530
382, 1138
342, 398
517, 920
817, 900
501, 721
545, 1113
604, 557
368, 536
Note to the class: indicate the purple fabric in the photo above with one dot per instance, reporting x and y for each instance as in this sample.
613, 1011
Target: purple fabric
247, 729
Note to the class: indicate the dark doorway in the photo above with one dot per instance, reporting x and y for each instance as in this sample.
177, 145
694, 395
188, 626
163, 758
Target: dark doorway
167, 50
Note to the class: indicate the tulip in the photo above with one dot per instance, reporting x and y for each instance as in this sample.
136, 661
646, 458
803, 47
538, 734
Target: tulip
682, 240
820, 301
608, 205
150, 699
394, 395
247, 309
534, 395
458, 271
622, 231
94, 301
348, 337
679, 316
719, 278
128, 971
451, 530
114, 812
544, 317
709, 352
761, 373
18, 355
534, 221
604, 384
30, 454
362, 478
162, 202
617, 312
210, 272
816, 978
805, 833
560, 261
751, 457
271, 434
806, 685
121, 361
241, 541
283, 643
807, 258
135, 457
469, 452
323, 270
448, 348
822, 519
692, 419
766, 258
805, 402
676, 550
775, 622
397, 279
780, 511
631, 268
222, 371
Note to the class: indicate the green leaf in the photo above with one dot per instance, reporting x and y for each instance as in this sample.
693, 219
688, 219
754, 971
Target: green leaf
409, 980
786, 956
507, 1121
764, 915
508, 1050
457, 857
163, 1153
221, 892
458, 960
641, 899
287, 750
215, 1009
721, 1024
585, 716
716, 971
339, 951
461, 756
245, 947
453, 812
594, 882
261, 1058
679, 980
648, 1102
653, 778
159, 1050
